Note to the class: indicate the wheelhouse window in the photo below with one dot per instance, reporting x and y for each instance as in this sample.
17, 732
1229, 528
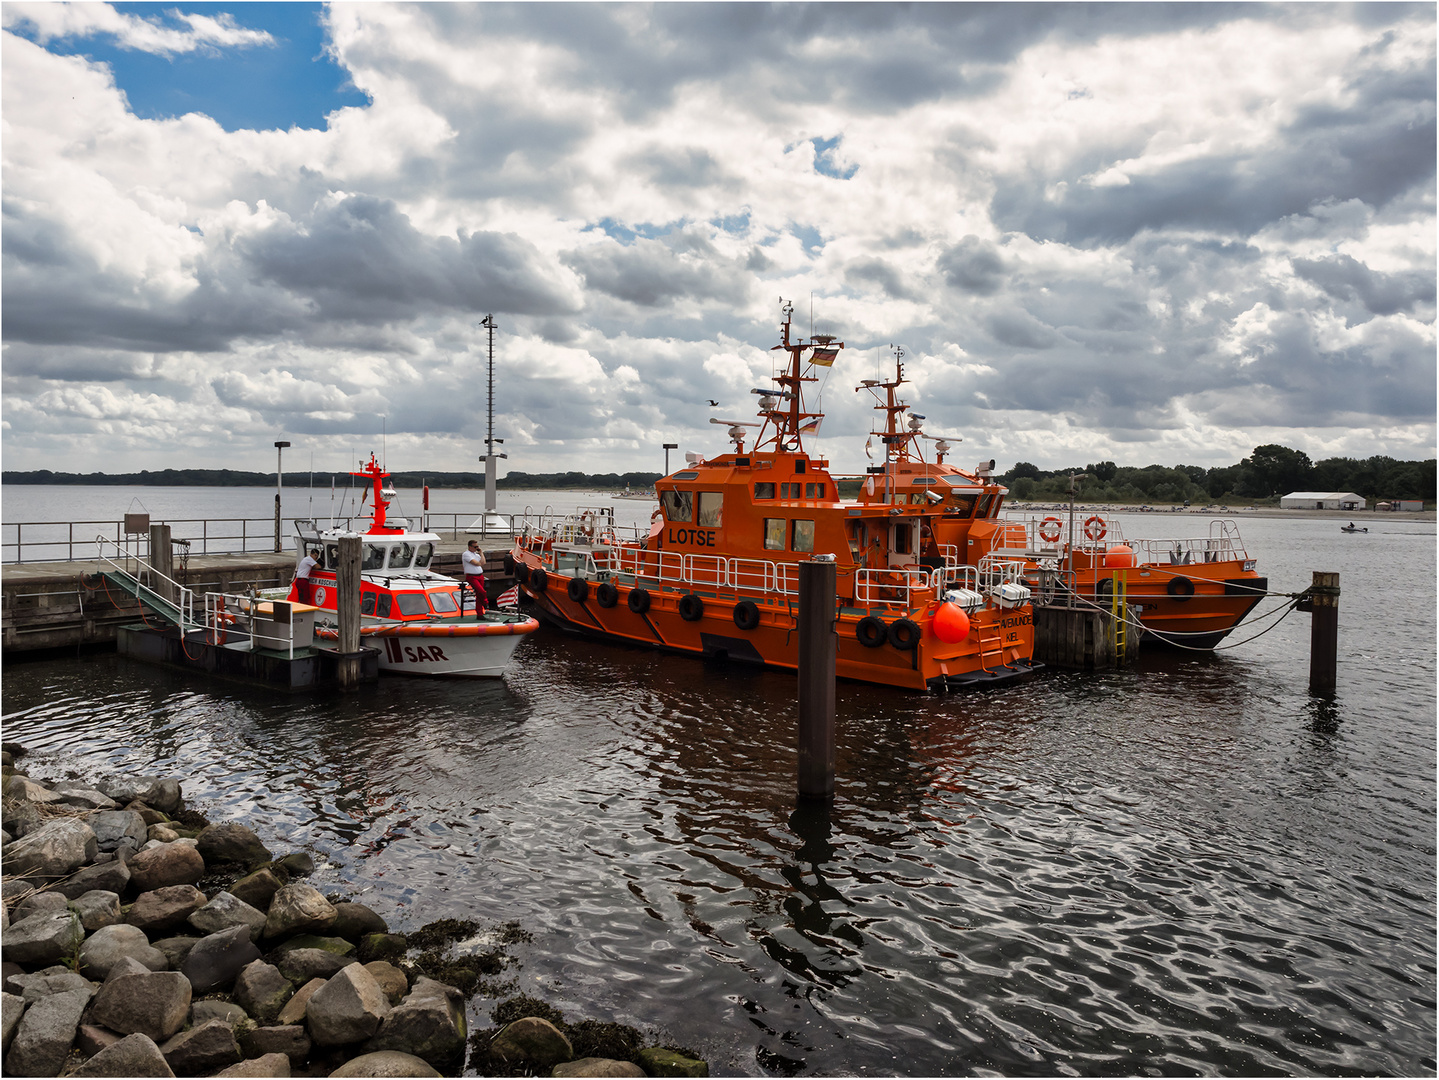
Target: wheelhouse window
412, 603
984, 507
764, 491
774, 530
374, 557
711, 508
814, 491
423, 554
803, 536
367, 603
401, 555
444, 602
963, 503
332, 556
383, 608
791, 491
678, 505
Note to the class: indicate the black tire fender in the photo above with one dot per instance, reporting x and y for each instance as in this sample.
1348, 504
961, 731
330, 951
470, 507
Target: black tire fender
539, 580
871, 632
522, 573
1181, 588
639, 600
692, 607
607, 596
904, 634
578, 590
746, 614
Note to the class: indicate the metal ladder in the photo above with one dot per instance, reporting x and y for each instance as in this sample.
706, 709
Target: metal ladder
1119, 617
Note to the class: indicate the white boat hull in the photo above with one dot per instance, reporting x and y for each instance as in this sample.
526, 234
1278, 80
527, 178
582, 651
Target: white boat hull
441, 657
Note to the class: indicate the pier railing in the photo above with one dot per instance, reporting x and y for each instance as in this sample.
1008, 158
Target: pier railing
65, 541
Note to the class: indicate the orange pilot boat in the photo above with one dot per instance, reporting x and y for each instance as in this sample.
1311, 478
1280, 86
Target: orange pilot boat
414, 616
717, 572
1190, 592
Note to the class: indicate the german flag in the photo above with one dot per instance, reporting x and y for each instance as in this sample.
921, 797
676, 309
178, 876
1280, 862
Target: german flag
823, 357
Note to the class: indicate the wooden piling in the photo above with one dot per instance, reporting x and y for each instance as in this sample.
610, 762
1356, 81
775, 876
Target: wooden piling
347, 610
162, 561
1324, 633
816, 679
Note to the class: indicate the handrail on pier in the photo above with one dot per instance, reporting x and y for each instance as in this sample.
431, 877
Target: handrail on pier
180, 611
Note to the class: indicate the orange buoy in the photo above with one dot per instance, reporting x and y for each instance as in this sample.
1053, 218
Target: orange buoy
951, 624
1118, 557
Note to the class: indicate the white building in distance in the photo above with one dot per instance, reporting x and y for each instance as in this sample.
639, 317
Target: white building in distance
1321, 500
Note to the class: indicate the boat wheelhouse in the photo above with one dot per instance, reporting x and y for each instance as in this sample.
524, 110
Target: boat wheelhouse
717, 571
1190, 592
415, 616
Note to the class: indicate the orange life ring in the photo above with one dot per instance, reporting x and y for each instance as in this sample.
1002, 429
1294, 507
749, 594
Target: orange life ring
1095, 528
1050, 528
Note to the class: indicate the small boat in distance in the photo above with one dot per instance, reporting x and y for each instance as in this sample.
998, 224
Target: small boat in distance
1352, 528
1191, 592
413, 615
717, 571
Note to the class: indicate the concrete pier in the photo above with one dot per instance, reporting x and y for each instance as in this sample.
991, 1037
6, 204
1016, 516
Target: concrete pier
65, 605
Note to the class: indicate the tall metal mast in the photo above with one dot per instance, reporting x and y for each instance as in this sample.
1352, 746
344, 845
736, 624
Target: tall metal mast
490, 522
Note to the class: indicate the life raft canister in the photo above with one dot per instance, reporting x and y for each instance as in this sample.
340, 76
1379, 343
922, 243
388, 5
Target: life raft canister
1049, 529
1094, 528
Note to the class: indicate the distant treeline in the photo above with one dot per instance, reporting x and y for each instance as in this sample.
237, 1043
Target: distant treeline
236, 478
1266, 474
1271, 471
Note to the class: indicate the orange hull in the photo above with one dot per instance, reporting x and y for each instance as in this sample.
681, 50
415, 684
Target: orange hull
997, 648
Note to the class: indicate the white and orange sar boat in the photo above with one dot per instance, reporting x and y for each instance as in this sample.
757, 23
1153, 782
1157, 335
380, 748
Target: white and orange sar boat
413, 615
1189, 592
717, 572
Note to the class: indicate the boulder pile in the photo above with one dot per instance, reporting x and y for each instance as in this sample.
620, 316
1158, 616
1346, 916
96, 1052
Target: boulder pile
141, 940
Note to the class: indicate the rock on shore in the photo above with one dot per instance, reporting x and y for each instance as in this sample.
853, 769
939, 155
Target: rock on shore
115, 963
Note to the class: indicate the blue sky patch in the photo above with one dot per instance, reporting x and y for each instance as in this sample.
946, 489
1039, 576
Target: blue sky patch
824, 159
289, 83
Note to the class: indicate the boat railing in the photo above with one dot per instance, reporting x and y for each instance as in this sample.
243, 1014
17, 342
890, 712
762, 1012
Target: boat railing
1223, 544
894, 586
241, 619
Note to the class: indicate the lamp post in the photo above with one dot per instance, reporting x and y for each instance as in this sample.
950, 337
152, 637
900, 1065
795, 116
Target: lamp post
1075, 480
668, 447
279, 485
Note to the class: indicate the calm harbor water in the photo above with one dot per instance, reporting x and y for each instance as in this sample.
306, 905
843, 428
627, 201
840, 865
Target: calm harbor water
1188, 867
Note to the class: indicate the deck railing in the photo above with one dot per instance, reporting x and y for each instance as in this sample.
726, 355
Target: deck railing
66, 541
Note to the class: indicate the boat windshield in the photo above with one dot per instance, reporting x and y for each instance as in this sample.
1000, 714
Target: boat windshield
444, 602
679, 505
401, 555
423, 554
411, 603
374, 557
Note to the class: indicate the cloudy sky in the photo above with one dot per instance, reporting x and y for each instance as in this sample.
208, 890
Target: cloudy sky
1147, 233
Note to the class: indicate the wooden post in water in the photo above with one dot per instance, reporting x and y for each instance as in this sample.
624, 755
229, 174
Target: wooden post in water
816, 679
162, 561
1324, 633
347, 611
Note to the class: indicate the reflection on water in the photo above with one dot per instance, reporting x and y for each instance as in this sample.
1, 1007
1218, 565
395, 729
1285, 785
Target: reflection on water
1189, 866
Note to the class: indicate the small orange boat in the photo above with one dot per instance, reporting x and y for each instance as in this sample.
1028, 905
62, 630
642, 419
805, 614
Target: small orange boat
1191, 592
414, 616
717, 572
